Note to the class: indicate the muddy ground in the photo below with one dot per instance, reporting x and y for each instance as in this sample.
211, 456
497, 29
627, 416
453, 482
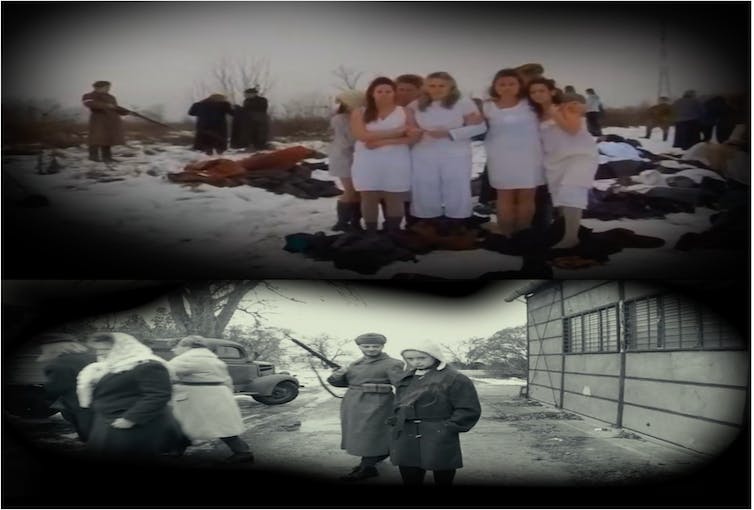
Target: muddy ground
517, 443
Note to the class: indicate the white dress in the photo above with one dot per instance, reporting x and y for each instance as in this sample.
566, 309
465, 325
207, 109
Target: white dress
340, 151
571, 162
513, 146
386, 168
441, 167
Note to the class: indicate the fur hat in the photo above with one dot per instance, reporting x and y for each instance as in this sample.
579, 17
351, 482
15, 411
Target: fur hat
351, 98
252, 90
100, 83
370, 338
427, 347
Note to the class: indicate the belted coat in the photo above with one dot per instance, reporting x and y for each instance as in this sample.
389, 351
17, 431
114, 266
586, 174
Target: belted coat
367, 404
430, 411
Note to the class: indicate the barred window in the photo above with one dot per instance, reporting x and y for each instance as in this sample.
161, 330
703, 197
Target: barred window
595, 331
673, 322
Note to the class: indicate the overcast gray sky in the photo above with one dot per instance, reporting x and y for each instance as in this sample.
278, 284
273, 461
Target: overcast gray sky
399, 315
154, 52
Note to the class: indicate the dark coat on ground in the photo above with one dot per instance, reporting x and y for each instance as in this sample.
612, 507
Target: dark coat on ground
446, 402
140, 395
211, 124
105, 124
363, 414
60, 389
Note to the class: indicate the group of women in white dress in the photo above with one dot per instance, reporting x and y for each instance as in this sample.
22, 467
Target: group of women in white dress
394, 145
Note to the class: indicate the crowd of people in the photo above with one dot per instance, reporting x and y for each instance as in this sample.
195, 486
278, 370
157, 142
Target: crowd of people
125, 402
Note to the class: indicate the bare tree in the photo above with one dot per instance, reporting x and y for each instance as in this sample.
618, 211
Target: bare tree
330, 347
231, 76
307, 105
348, 78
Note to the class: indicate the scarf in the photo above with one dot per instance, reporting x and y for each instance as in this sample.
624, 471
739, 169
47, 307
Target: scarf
127, 353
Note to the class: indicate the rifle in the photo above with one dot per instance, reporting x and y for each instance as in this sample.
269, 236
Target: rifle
311, 351
136, 114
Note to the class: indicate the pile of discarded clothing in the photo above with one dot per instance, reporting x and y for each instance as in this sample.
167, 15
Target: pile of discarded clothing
281, 172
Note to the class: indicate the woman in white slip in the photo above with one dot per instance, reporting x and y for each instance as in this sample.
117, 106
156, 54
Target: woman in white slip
340, 159
441, 159
382, 160
514, 151
570, 153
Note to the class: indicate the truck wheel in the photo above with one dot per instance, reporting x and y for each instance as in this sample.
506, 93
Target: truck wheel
282, 393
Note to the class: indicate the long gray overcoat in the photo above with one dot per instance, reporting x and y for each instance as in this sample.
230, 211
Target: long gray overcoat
105, 124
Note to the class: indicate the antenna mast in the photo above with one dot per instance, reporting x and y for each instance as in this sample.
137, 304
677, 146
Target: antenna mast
663, 84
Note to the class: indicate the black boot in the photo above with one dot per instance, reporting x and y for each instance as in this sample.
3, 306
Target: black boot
107, 155
345, 212
94, 153
371, 229
356, 218
392, 225
361, 473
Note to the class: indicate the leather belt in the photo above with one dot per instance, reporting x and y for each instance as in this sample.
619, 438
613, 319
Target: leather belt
372, 388
187, 383
419, 420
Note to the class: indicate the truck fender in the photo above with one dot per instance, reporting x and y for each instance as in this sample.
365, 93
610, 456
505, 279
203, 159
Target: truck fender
264, 385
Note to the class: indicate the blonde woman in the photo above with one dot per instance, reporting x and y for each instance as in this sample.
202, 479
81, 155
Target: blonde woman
441, 159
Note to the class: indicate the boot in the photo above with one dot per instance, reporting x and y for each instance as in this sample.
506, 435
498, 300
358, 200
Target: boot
392, 225
360, 474
356, 218
371, 229
345, 212
94, 153
107, 155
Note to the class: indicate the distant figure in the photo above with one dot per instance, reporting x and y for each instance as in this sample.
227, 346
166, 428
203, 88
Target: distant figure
105, 124
718, 115
594, 111
687, 112
211, 127
568, 89
63, 357
660, 115
255, 107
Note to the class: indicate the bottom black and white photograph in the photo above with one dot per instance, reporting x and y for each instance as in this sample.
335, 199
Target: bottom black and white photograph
295, 393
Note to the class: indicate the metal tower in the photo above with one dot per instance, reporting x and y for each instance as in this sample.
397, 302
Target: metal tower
663, 83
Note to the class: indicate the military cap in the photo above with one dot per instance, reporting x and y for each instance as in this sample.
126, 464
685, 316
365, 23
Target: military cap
100, 83
370, 338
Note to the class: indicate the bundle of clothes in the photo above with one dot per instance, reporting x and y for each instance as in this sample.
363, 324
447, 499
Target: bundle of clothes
282, 172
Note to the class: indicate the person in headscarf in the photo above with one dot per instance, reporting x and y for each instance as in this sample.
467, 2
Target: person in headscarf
129, 390
64, 357
211, 124
367, 404
203, 400
433, 404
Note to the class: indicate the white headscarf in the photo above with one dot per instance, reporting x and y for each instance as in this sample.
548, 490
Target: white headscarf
127, 352
427, 347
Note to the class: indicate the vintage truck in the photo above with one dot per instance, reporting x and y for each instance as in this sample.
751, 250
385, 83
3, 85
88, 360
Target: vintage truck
23, 378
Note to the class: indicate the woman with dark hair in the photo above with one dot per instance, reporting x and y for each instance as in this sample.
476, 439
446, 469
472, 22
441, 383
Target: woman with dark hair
570, 153
129, 390
382, 161
433, 404
211, 126
514, 151
203, 400
441, 160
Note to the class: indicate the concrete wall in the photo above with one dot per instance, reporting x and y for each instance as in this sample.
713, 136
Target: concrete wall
696, 399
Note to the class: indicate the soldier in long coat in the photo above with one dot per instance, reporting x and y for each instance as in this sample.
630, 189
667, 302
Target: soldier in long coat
433, 404
367, 404
105, 124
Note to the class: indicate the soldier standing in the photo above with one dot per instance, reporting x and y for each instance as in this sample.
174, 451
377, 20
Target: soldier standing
660, 115
105, 124
367, 404
256, 108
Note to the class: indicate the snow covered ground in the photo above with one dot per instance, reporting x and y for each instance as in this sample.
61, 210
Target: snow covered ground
244, 227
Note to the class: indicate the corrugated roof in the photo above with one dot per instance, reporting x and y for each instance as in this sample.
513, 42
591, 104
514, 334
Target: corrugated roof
527, 288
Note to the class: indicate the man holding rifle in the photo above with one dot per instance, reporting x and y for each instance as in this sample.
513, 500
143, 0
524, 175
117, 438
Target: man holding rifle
105, 124
367, 404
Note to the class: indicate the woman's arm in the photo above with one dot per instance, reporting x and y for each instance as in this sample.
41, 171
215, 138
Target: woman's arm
359, 130
569, 116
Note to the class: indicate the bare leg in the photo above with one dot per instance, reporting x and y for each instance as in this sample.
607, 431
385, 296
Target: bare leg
349, 192
506, 210
370, 205
525, 208
572, 217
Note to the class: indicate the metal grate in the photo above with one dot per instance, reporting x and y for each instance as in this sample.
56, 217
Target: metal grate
595, 331
672, 322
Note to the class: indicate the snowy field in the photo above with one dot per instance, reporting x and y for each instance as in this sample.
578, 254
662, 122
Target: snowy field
244, 227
